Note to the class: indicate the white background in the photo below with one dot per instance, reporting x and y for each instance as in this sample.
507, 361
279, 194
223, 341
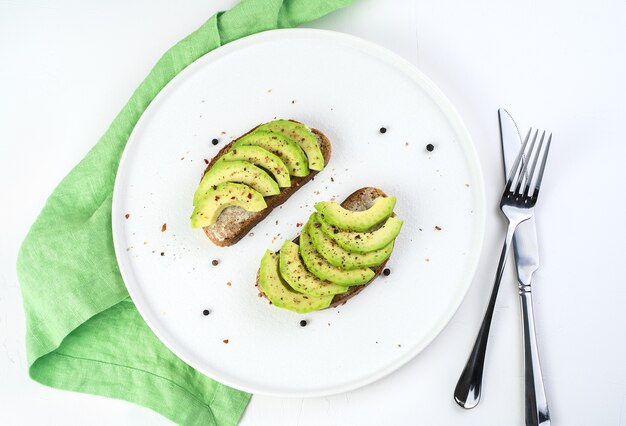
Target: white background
67, 68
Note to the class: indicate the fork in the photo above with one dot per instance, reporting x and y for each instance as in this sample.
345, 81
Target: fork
517, 203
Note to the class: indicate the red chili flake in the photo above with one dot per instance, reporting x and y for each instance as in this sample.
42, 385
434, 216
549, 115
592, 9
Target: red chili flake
438, 228
318, 225
127, 215
249, 195
225, 341
298, 225
164, 227
206, 161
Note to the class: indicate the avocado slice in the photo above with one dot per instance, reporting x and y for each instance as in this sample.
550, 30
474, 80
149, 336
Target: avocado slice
360, 221
302, 135
224, 195
337, 256
316, 264
363, 242
262, 158
299, 278
239, 172
288, 151
279, 292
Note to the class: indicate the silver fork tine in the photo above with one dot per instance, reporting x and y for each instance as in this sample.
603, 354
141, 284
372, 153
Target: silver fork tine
524, 176
534, 157
544, 159
514, 169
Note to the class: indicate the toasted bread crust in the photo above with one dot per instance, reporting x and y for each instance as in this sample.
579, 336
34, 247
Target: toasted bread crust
234, 222
360, 199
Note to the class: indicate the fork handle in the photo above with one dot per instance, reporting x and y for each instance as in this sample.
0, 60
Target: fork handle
535, 401
467, 390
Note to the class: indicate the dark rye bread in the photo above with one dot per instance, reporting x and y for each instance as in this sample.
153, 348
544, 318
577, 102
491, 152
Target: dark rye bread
234, 222
359, 200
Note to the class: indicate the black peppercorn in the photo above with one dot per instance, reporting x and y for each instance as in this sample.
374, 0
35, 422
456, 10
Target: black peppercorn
214, 262
386, 272
303, 323
383, 130
215, 141
430, 147
205, 312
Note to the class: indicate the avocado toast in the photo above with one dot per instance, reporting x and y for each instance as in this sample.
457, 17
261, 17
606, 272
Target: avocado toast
314, 271
253, 174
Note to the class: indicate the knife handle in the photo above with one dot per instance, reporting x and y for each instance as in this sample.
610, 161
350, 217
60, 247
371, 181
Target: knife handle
536, 404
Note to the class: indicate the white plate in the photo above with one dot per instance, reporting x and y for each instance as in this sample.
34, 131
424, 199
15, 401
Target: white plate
349, 89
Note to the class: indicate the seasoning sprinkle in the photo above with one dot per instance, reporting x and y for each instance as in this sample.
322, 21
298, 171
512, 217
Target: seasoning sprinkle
215, 262
303, 323
430, 147
162, 253
215, 141
386, 272
383, 130
163, 227
205, 312
127, 215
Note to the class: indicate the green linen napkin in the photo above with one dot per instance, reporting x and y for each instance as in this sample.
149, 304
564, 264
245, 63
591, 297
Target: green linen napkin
83, 331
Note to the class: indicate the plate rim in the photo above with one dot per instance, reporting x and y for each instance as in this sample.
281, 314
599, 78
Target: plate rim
381, 53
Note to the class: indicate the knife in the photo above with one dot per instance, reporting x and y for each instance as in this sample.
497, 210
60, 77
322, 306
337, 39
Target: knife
527, 261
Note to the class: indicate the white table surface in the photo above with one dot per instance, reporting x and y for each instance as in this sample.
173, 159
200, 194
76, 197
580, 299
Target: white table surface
67, 67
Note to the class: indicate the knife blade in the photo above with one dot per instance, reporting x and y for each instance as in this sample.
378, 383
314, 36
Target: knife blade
525, 245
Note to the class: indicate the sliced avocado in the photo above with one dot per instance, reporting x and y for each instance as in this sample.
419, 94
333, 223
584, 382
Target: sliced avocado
262, 158
359, 221
337, 256
316, 264
279, 292
303, 137
239, 172
224, 195
295, 273
288, 151
363, 242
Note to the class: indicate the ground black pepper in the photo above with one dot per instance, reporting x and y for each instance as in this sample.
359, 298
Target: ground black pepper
386, 272
303, 323
430, 147
215, 141
205, 312
214, 262
383, 130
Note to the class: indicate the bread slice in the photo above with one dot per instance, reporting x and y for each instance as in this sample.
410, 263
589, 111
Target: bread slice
361, 199
234, 222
